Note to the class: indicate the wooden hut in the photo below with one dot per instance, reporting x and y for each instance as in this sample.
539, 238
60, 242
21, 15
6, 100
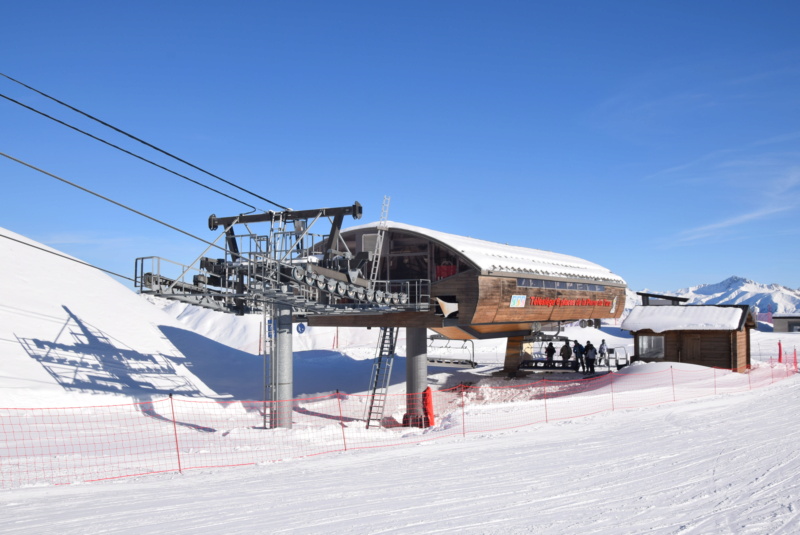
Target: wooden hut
708, 335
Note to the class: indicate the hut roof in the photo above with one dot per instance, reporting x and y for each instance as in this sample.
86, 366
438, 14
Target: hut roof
686, 318
497, 257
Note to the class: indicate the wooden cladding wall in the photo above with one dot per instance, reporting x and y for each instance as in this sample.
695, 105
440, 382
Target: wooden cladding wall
496, 295
715, 349
464, 287
485, 300
742, 350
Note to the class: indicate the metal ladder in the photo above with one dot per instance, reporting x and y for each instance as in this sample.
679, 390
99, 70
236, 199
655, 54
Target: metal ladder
373, 276
381, 373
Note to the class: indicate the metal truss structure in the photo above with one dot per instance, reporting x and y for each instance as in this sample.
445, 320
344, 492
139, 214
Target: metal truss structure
311, 273
291, 272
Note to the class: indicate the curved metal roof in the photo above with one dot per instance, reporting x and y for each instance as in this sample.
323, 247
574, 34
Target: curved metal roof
492, 257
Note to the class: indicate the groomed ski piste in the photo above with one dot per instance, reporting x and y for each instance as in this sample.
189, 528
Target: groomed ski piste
648, 449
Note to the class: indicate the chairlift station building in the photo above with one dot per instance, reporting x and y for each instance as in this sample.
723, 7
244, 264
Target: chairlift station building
387, 275
481, 289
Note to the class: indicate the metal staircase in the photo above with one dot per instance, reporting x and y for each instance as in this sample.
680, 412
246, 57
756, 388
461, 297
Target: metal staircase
381, 374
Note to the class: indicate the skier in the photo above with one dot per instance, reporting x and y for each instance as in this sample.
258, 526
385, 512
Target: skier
550, 351
566, 353
591, 354
603, 350
577, 349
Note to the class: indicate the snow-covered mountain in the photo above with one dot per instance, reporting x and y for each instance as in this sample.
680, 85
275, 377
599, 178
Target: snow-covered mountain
740, 291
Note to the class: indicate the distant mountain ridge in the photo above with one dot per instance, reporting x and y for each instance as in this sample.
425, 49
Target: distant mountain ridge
740, 291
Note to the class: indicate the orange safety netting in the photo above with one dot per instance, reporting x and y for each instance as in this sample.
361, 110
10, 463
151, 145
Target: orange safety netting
81, 444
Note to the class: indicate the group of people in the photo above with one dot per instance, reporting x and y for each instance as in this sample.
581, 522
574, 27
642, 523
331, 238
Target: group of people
585, 356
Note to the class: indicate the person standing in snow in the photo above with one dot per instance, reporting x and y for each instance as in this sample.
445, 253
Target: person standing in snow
603, 350
590, 355
577, 349
566, 353
550, 351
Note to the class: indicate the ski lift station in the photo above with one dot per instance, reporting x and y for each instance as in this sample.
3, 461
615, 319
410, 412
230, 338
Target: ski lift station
481, 289
384, 275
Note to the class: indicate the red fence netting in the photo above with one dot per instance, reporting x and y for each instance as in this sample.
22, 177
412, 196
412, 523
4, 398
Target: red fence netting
81, 444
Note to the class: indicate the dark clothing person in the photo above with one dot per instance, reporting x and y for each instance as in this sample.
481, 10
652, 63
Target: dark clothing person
549, 352
591, 354
566, 353
577, 349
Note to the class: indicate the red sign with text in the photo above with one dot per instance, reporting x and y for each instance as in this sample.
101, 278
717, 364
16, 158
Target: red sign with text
559, 302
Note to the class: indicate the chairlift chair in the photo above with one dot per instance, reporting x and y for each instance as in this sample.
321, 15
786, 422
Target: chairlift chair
447, 362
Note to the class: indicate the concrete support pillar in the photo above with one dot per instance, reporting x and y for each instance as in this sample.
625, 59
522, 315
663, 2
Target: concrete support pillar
513, 355
416, 375
281, 368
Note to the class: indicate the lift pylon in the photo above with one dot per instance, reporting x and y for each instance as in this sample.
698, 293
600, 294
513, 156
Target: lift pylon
291, 271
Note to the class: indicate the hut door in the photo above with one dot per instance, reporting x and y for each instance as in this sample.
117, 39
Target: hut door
691, 348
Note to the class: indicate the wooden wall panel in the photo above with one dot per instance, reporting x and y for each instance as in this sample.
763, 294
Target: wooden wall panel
484, 303
496, 293
671, 346
741, 360
716, 349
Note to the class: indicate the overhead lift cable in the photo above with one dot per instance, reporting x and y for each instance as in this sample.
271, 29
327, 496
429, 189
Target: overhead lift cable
125, 151
143, 142
64, 180
67, 257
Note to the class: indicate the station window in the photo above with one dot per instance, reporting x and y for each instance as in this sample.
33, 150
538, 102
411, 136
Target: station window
408, 267
559, 285
445, 262
650, 347
400, 243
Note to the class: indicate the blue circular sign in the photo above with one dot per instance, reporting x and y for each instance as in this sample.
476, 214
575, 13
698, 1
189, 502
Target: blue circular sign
301, 328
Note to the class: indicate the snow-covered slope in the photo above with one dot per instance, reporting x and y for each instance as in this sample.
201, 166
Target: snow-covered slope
72, 335
68, 330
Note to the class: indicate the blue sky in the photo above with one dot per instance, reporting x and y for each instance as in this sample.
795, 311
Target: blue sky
658, 139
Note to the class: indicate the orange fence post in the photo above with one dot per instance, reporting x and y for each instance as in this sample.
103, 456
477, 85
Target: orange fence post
715, 380
546, 419
463, 415
175, 430
341, 418
672, 375
612, 392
